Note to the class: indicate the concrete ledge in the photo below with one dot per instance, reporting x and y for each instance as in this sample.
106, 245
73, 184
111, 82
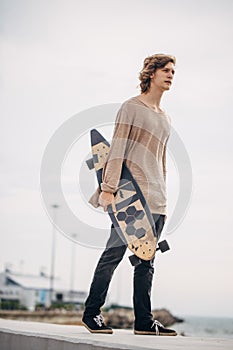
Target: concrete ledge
20, 335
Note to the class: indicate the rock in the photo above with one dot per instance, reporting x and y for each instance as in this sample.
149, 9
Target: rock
165, 317
116, 316
119, 317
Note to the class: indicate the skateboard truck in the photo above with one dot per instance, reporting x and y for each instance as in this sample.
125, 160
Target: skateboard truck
90, 163
162, 246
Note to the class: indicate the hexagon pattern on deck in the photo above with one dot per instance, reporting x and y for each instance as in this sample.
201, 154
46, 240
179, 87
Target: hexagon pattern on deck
130, 216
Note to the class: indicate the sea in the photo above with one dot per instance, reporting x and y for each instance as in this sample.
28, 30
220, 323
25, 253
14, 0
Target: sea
195, 326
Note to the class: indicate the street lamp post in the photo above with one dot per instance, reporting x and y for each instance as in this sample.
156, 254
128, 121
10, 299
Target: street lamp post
72, 267
52, 268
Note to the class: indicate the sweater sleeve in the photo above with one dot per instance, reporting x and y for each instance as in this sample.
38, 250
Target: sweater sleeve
113, 166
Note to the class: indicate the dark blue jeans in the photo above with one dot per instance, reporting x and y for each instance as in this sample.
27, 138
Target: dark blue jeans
143, 276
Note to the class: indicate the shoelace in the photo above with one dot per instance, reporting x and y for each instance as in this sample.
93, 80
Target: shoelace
99, 320
157, 324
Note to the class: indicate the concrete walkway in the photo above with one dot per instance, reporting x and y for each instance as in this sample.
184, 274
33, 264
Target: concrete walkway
20, 335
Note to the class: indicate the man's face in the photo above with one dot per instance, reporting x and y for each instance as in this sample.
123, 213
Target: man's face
162, 78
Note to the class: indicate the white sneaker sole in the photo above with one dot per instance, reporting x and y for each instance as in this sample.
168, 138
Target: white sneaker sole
103, 331
153, 333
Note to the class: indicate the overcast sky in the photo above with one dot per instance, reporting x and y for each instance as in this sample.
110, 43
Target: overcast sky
60, 58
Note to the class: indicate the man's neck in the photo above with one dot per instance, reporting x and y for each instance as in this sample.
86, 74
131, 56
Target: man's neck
152, 98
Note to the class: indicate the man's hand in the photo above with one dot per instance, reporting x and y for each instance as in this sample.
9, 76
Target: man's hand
105, 199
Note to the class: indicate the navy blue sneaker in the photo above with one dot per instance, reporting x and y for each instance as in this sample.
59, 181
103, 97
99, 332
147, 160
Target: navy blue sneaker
95, 324
155, 328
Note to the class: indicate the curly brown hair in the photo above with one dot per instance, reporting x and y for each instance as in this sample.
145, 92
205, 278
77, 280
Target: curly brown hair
150, 65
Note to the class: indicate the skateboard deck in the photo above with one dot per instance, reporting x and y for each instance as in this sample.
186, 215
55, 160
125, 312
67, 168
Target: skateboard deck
132, 219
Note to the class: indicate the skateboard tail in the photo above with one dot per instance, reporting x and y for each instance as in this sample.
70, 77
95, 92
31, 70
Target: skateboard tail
96, 138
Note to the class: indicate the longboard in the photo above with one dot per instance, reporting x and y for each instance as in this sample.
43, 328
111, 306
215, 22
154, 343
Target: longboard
132, 219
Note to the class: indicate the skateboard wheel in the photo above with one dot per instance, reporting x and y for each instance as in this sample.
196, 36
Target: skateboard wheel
134, 260
163, 246
90, 163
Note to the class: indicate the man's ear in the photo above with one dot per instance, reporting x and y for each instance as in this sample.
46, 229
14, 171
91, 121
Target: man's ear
152, 75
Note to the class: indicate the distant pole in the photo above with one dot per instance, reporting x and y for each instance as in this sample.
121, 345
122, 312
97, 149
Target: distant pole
72, 266
21, 266
52, 268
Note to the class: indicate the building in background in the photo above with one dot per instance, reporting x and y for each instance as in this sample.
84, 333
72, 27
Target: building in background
30, 291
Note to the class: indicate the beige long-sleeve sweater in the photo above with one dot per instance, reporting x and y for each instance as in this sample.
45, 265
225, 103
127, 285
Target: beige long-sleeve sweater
140, 137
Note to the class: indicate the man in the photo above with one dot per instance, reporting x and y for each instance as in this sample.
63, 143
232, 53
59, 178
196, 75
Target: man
140, 136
